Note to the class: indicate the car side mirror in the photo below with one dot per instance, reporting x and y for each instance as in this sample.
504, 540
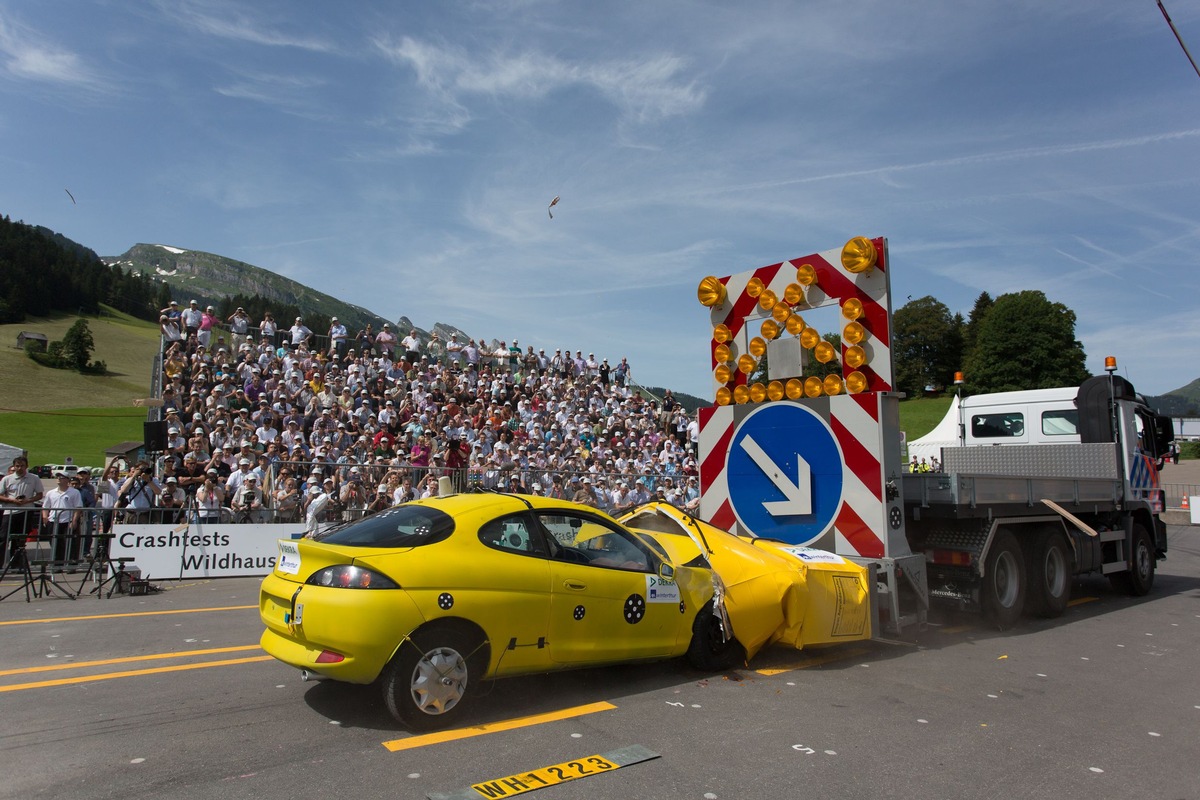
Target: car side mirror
666, 572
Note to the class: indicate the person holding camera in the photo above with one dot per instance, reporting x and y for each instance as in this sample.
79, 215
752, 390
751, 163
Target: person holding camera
247, 502
137, 493
170, 502
210, 497
353, 497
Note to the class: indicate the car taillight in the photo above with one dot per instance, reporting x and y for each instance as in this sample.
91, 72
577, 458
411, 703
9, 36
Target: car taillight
344, 576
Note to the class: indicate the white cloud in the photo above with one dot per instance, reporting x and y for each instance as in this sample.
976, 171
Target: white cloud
28, 55
642, 90
227, 21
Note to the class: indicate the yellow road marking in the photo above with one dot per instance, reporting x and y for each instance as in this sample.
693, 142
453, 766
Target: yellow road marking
816, 661
126, 660
956, 629
1078, 601
411, 742
132, 673
130, 614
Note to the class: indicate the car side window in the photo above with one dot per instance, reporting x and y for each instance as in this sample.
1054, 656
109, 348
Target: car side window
589, 540
514, 535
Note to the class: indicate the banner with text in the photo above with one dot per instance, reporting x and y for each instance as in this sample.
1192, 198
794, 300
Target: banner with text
201, 550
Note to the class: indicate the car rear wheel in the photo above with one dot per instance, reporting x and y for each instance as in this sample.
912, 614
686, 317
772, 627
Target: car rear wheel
709, 649
426, 684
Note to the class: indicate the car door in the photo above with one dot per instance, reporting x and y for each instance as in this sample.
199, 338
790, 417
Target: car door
608, 603
516, 575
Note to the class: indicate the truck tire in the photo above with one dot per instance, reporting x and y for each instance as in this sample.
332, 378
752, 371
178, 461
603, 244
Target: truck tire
1003, 592
1049, 569
1139, 579
707, 651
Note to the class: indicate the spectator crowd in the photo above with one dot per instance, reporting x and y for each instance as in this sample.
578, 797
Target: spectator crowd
273, 423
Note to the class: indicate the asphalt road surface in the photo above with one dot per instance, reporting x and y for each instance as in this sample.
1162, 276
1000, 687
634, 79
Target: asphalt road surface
168, 696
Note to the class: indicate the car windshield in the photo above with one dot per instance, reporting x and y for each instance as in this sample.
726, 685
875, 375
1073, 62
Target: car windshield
402, 526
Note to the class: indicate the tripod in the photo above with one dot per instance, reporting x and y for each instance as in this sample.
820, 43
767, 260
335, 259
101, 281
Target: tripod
18, 562
97, 562
43, 582
101, 564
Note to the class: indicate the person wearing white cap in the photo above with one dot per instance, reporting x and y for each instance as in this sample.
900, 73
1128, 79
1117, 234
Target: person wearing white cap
454, 350
238, 476
317, 501
239, 326
207, 320
61, 518
190, 317
339, 338
174, 440
170, 502
385, 341
247, 502
300, 334
412, 347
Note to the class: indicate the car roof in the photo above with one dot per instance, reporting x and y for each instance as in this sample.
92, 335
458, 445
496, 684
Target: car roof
499, 503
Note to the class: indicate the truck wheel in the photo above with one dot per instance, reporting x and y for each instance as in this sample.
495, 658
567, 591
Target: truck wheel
425, 686
1003, 590
1140, 578
707, 651
1048, 565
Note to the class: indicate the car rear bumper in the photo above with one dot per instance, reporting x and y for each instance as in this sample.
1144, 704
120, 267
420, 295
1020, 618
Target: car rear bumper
361, 626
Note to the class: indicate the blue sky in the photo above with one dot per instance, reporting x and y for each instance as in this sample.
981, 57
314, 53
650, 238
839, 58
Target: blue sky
401, 155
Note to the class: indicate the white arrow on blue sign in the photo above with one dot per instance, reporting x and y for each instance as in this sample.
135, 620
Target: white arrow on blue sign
784, 473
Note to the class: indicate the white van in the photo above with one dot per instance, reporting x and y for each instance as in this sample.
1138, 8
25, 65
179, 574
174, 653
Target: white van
1035, 416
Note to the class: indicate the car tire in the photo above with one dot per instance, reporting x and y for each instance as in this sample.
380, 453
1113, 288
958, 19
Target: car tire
1139, 579
428, 682
1003, 592
707, 651
1049, 570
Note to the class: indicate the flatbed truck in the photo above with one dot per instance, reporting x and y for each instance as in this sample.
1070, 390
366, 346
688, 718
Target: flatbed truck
818, 462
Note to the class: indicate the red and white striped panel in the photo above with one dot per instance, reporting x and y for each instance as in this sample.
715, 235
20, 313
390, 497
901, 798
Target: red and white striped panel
834, 285
860, 524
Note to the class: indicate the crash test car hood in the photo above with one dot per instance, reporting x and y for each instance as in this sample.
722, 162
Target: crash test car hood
773, 592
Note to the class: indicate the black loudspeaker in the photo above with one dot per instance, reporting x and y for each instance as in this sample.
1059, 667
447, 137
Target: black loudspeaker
154, 435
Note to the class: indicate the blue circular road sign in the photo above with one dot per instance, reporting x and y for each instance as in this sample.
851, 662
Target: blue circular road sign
784, 473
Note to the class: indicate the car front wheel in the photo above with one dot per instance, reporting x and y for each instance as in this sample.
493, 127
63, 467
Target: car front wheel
710, 650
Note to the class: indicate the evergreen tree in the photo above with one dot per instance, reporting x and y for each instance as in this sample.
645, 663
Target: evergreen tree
78, 345
1025, 342
926, 345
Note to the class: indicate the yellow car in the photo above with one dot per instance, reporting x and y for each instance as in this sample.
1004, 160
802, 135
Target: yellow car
433, 597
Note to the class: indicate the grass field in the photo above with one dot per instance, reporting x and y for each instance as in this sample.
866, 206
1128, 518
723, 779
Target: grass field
920, 415
81, 433
55, 413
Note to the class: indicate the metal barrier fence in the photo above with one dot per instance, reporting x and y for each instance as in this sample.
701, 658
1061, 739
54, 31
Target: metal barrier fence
1175, 492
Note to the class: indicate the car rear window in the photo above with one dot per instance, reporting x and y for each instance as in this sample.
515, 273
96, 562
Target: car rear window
402, 526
